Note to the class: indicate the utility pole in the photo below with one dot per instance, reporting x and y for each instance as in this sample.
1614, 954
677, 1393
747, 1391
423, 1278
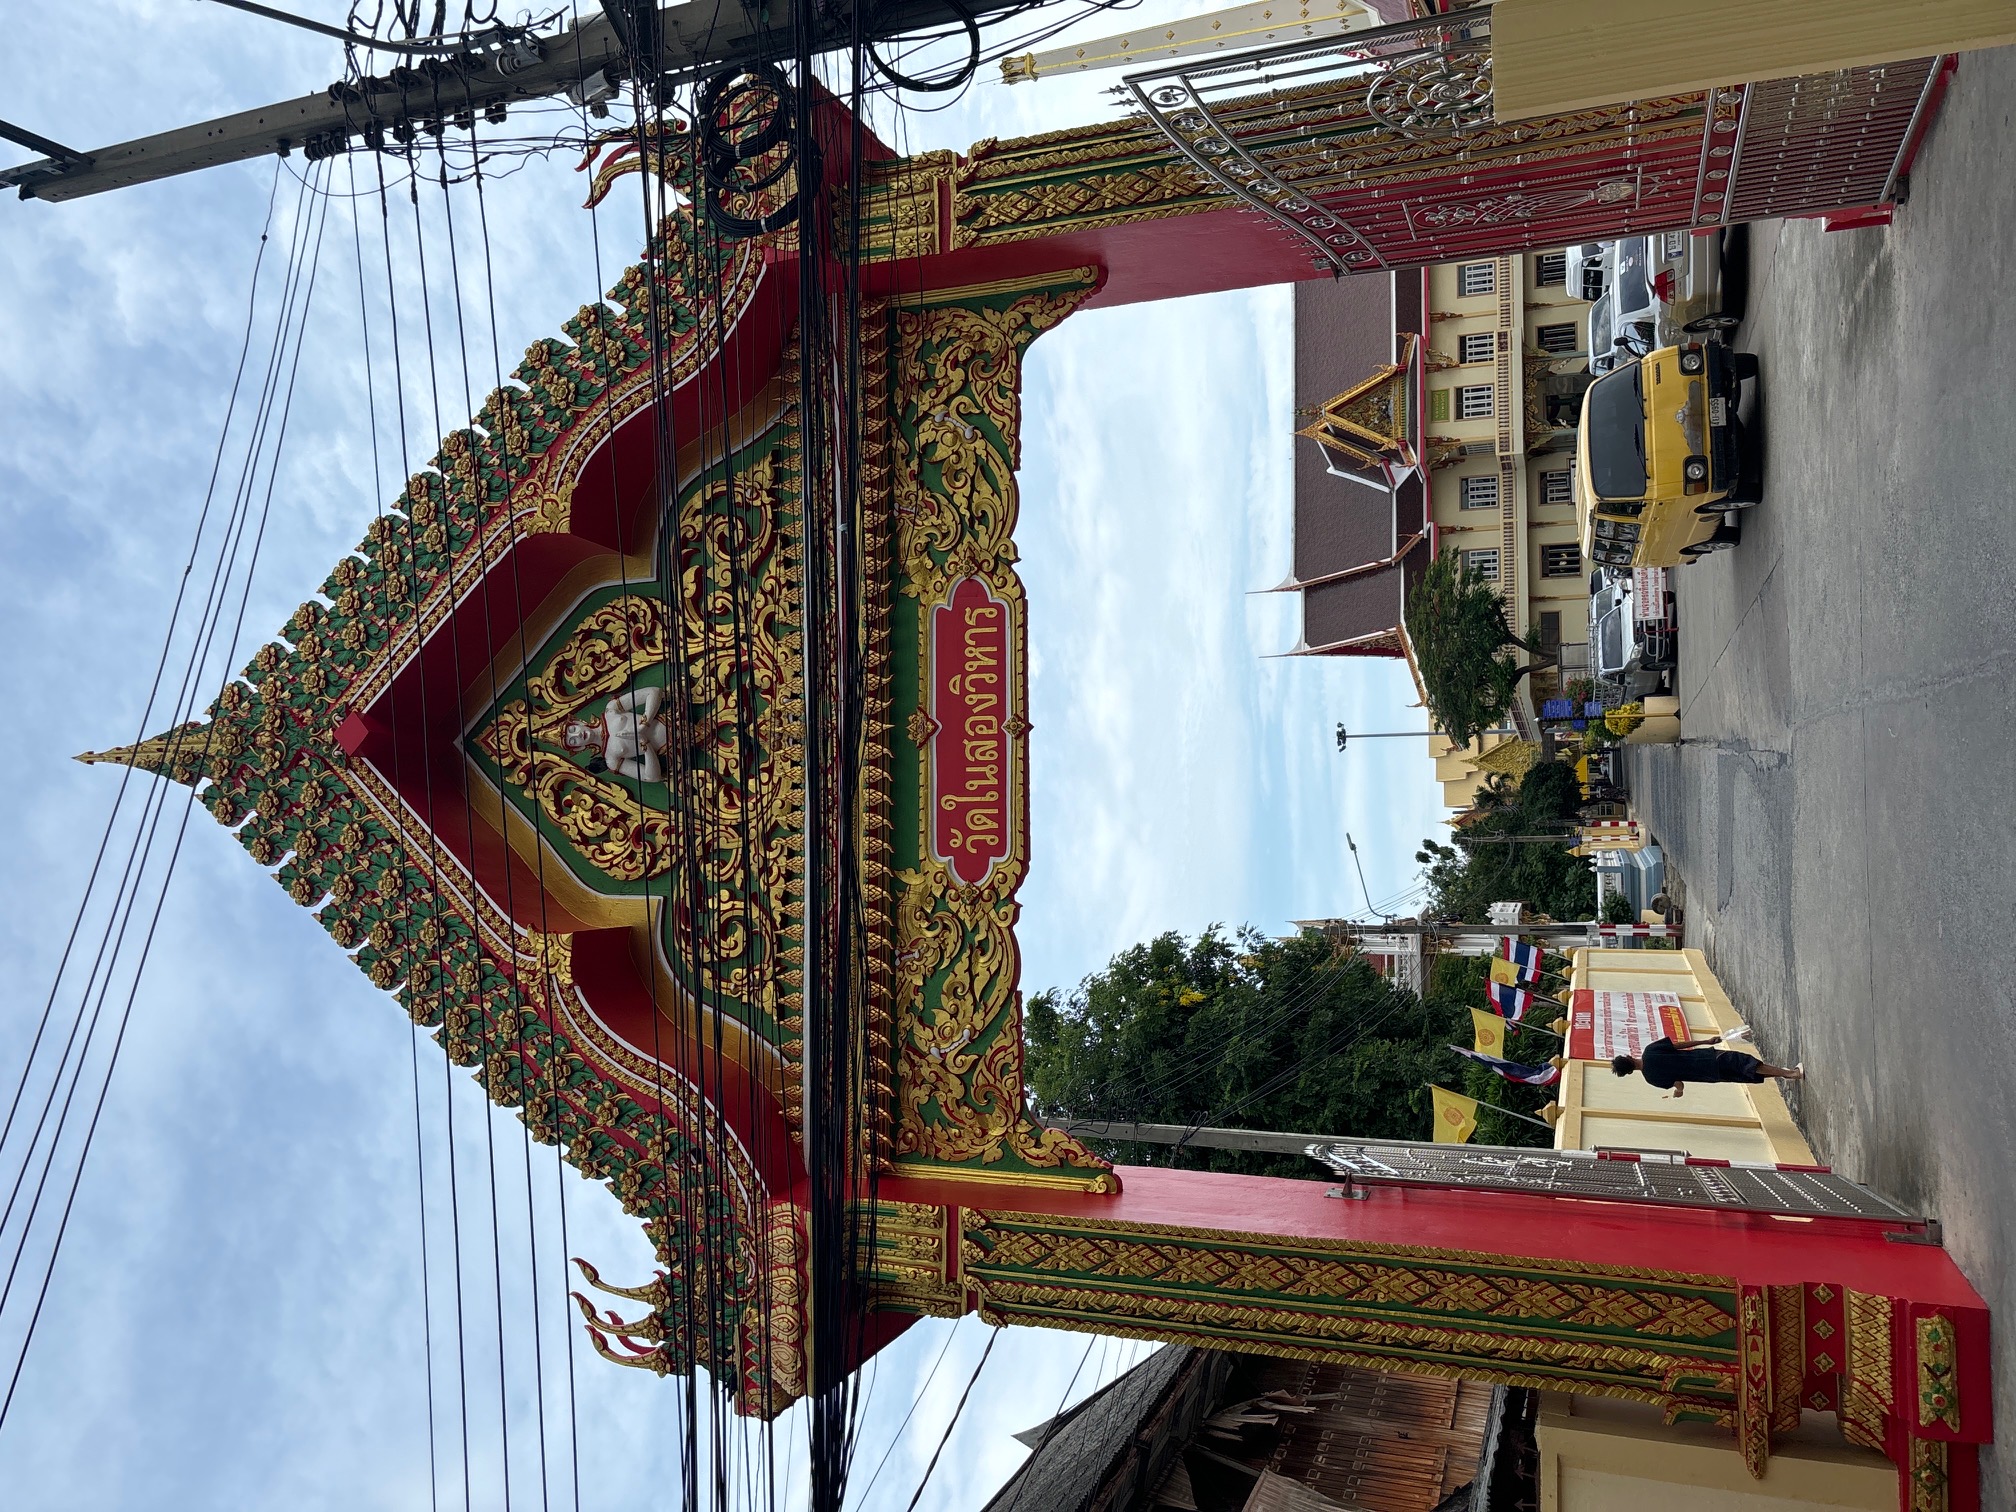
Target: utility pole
497, 68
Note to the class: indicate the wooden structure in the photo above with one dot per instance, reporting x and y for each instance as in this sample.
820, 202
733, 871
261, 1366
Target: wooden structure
1196, 1430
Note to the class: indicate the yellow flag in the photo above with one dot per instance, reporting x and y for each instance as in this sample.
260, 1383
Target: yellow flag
1455, 1117
1490, 1032
1505, 973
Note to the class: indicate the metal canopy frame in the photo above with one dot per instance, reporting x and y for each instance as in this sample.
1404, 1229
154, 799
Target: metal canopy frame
1670, 1180
1443, 63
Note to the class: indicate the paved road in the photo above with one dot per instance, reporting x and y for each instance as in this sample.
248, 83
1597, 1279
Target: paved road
1843, 812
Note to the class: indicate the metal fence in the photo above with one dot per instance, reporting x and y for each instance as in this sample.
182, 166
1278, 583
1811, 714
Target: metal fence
1380, 149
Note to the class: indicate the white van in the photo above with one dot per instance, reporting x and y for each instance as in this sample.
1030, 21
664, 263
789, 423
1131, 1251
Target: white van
1588, 275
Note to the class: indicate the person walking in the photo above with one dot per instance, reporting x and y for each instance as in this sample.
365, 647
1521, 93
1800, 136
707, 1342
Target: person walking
1665, 1064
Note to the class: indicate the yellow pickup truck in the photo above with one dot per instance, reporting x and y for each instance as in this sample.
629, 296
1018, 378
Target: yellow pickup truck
1661, 456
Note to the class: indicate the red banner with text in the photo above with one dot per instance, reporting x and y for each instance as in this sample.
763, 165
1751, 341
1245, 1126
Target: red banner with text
1606, 1024
973, 762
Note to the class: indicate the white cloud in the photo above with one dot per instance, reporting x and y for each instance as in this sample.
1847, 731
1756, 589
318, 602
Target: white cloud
238, 1319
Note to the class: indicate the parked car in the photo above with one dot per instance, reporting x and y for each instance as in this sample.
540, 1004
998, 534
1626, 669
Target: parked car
1662, 457
1588, 274
1631, 631
1625, 321
1684, 272
1604, 353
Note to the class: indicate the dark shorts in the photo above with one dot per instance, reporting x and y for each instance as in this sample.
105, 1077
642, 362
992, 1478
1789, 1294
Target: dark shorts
1735, 1066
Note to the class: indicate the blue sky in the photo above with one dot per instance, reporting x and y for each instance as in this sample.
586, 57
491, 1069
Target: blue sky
237, 1317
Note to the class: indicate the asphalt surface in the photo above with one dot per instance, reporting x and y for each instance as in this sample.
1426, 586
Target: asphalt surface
1842, 811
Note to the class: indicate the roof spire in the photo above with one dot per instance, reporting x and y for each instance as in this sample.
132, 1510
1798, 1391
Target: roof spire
184, 753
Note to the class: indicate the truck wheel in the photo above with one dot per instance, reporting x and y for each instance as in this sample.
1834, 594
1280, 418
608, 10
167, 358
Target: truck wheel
1736, 270
1744, 365
1748, 489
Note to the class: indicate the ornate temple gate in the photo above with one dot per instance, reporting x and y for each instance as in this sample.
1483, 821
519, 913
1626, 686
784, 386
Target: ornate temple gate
417, 758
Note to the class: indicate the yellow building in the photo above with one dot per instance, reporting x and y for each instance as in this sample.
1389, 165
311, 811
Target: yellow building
1437, 412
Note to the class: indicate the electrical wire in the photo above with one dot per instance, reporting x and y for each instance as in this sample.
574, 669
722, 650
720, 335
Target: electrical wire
957, 1413
923, 1391
296, 303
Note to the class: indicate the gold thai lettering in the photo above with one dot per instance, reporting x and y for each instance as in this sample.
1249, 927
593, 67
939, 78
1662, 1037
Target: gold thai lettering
971, 752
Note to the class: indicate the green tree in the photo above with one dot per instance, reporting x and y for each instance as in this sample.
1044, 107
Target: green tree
1463, 646
1244, 1032
1455, 983
1467, 876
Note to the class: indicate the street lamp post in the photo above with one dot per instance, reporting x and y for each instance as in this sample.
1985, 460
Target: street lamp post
1343, 736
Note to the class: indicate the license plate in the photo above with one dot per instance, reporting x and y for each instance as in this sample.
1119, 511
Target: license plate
1718, 411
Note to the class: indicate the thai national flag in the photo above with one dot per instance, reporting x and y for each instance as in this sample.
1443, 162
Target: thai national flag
1525, 957
1510, 1002
1512, 1071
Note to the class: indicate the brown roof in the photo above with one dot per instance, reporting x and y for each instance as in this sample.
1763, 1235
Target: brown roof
1358, 545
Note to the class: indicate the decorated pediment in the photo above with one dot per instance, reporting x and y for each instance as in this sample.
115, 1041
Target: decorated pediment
1369, 424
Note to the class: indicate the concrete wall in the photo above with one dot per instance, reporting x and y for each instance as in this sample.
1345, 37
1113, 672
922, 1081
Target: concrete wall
1598, 1455
1726, 1122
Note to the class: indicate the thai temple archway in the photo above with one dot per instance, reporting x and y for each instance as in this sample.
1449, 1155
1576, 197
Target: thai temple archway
457, 756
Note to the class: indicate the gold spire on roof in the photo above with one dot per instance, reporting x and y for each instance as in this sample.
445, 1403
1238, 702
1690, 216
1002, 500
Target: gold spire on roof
183, 753
1367, 423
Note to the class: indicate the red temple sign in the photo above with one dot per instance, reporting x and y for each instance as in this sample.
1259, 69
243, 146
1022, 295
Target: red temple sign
973, 748
1606, 1024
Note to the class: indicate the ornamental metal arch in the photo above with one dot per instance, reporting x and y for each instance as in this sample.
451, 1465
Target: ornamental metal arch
1380, 149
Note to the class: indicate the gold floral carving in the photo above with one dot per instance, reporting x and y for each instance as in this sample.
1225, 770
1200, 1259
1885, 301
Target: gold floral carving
616, 832
1788, 1346
878, 901
738, 648
902, 206
1866, 1391
955, 372
1753, 1402
1929, 1475
1087, 201
541, 500
1650, 1336
1454, 1352
914, 1266
1316, 1274
773, 1332
1938, 1386
553, 511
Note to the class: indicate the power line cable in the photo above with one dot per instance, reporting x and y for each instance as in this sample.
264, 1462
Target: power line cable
922, 1391
154, 919
957, 1412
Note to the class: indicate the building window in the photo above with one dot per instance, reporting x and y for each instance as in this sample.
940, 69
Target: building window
1558, 338
1563, 559
1480, 491
1550, 268
1477, 346
1477, 278
1548, 631
1473, 401
1557, 487
1483, 562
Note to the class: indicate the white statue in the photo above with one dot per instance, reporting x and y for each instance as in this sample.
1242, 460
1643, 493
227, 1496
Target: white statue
628, 738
